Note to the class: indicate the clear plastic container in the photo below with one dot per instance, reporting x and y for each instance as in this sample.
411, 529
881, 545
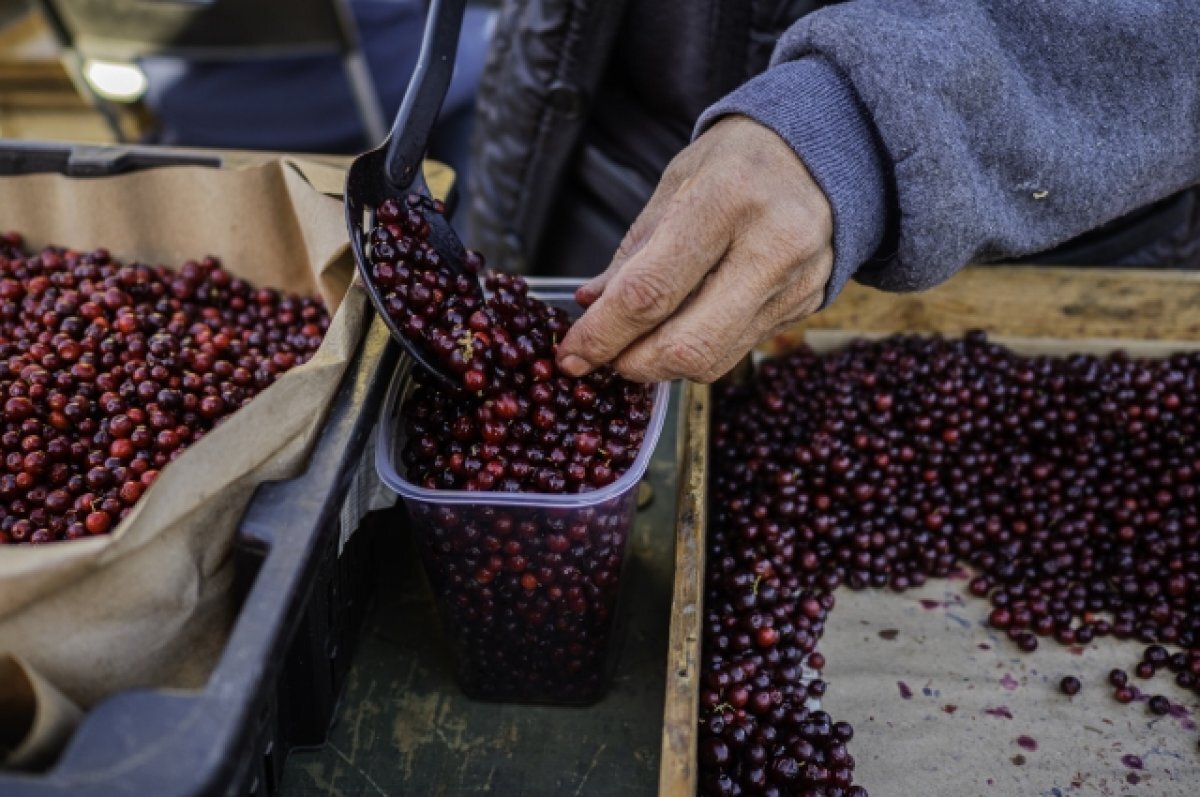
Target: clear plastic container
542, 628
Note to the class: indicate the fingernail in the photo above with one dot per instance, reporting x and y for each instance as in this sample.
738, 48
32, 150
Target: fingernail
574, 365
585, 295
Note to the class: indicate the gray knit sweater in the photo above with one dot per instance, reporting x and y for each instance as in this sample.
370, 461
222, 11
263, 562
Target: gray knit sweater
951, 131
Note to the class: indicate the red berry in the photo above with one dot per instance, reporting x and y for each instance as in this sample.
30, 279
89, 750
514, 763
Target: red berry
97, 522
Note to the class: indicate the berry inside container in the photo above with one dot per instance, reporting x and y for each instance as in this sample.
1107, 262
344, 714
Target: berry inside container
527, 584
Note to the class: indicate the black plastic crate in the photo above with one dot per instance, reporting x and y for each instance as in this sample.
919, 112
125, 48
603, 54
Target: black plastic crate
306, 581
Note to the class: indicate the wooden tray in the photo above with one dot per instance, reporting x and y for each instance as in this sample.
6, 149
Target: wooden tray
1032, 309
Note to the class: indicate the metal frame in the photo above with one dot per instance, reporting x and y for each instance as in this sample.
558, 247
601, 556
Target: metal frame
79, 46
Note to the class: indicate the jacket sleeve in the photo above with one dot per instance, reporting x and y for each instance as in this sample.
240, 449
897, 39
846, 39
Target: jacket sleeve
951, 131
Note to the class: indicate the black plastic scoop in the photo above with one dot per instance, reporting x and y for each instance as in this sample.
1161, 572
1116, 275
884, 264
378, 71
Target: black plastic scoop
393, 169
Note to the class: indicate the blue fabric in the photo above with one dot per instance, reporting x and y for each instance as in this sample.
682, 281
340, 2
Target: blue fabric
305, 104
1004, 128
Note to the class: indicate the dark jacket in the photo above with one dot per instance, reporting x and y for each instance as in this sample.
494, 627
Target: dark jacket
943, 131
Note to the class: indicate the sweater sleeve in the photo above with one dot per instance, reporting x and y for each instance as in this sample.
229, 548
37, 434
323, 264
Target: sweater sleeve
1001, 128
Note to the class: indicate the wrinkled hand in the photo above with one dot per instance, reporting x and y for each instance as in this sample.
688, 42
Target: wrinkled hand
734, 246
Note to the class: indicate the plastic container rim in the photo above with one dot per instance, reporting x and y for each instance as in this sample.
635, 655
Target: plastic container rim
547, 289
390, 475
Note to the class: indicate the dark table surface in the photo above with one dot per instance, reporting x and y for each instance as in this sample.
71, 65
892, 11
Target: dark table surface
404, 728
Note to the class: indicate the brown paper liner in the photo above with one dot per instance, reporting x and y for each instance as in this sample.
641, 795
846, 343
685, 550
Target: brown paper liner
150, 605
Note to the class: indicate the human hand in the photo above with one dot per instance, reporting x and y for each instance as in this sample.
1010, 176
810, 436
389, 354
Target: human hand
735, 245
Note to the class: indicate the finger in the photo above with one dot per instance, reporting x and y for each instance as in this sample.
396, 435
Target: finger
689, 239
587, 293
634, 239
637, 365
735, 310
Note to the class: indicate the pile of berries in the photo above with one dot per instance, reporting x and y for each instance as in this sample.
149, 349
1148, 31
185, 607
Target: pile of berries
1069, 486
108, 371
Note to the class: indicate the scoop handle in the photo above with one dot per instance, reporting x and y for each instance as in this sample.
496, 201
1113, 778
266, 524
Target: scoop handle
426, 91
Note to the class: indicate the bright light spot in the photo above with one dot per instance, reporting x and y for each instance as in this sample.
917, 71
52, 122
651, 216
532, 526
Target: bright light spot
116, 82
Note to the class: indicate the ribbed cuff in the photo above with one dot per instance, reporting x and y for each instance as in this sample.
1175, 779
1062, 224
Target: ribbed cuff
812, 107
